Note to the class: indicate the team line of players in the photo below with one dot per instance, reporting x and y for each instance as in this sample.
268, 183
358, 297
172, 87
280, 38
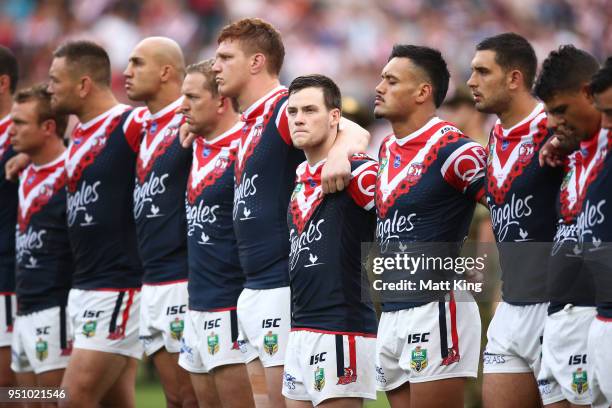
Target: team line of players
241, 240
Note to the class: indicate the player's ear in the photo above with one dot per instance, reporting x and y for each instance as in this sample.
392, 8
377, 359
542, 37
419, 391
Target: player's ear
166, 72
334, 117
258, 63
223, 104
424, 92
515, 79
4, 83
85, 86
49, 127
586, 91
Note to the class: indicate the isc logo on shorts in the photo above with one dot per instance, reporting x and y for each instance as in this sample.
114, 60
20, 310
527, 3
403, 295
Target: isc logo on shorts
267, 323
92, 314
418, 338
318, 358
211, 324
176, 309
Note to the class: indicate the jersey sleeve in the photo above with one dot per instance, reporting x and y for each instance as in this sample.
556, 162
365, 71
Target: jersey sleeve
362, 186
464, 169
132, 127
282, 123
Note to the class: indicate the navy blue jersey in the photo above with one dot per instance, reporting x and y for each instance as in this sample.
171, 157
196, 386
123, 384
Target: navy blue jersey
162, 169
326, 233
427, 188
264, 176
568, 281
44, 260
521, 197
101, 166
595, 181
8, 213
215, 276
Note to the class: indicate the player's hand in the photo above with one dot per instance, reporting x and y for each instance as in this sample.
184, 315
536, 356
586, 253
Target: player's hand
336, 173
15, 165
185, 136
553, 153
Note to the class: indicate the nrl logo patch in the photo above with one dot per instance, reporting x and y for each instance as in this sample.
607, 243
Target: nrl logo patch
319, 379
580, 384
418, 359
270, 343
213, 343
42, 349
176, 328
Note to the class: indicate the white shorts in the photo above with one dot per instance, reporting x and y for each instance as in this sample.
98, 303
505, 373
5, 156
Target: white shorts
8, 310
514, 339
563, 371
414, 346
42, 341
162, 316
320, 366
106, 320
599, 362
211, 340
264, 320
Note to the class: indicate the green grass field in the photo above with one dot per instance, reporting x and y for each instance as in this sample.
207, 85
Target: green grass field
149, 393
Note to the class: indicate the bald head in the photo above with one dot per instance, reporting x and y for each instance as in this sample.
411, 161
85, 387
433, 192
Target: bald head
156, 67
164, 51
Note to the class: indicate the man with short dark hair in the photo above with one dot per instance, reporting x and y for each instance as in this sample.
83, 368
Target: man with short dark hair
154, 75
520, 195
43, 335
8, 216
431, 177
211, 350
573, 348
601, 89
105, 299
330, 353
247, 65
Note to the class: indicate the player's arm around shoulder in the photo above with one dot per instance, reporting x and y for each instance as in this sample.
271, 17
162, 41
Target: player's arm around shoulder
362, 185
351, 139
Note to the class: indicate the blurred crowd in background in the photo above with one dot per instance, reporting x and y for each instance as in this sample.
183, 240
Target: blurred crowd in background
349, 40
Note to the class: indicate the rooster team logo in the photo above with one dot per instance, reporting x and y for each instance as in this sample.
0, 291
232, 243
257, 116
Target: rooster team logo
306, 196
37, 190
415, 171
510, 153
526, 151
210, 163
401, 169
88, 144
253, 130
350, 376
151, 148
